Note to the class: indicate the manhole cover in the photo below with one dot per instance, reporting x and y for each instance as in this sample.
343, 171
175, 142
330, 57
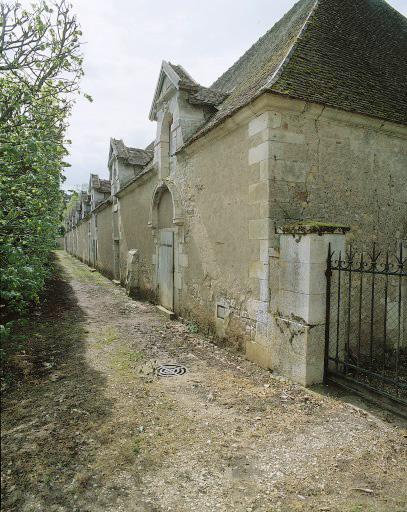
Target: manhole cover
170, 370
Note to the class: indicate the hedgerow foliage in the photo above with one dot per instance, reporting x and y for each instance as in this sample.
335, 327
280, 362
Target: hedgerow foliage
40, 68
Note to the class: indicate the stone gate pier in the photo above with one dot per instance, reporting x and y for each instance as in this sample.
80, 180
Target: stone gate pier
296, 336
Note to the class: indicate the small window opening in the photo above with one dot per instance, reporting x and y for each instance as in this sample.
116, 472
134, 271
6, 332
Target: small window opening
221, 311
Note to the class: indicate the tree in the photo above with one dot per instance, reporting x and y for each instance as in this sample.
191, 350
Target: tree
40, 70
41, 51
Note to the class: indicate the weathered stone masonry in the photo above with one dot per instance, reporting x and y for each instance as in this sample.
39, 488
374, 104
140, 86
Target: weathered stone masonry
206, 217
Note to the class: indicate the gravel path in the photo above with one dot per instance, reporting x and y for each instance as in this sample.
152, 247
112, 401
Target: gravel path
91, 428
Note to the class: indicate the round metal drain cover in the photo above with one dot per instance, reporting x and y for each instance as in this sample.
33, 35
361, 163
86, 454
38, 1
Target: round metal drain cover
170, 370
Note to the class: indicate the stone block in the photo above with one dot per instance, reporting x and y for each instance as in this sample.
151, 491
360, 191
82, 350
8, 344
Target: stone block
310, 308
264, 120
289, 171
259, 354
311, 248
254, 285
280, 192
266, 169
265, 210
178, 280
302, 277
271, 134
256, 308
258, 269
260, 229
259, 192
258, 124
259, 153
284, 170
295, 152
183, 260
264, 251
300, 350
264, 290
261, 335
275, 150
319, 246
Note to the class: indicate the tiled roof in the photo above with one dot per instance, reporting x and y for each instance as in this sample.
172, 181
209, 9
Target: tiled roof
186, 79
352, 55
207, 96
132, 156
198, 95
99, 185
150, 147
348, 54
105, 186
94, 181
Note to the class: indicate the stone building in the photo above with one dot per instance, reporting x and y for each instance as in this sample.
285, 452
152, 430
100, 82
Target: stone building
226, 217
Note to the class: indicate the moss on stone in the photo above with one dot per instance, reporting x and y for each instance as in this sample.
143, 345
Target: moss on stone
313, 226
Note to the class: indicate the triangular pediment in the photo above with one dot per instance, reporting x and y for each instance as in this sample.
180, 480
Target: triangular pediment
171, 77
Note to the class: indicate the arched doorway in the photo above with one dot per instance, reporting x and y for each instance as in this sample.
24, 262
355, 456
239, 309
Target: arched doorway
166, 222
165, 264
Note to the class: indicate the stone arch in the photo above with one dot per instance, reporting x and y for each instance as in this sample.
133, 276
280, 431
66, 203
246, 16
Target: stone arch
163, 143
165, 210
160, 191
165, 128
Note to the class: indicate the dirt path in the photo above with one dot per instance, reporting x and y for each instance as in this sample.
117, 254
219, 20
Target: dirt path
93, 429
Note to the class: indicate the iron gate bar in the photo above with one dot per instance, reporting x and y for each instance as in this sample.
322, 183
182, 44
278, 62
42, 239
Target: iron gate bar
386, 286
328, 274
360, 306
400, 265
382, 371
374, 261
338, 311
355, 386
374, 374
347, 344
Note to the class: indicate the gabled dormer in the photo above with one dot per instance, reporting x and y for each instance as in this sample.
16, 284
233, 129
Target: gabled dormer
98, 190
125, 162
85, 203
180, 106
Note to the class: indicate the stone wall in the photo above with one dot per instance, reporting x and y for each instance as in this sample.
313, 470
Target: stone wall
320, 164
134, 232
275, 162
213, 184
104, 260
77, 240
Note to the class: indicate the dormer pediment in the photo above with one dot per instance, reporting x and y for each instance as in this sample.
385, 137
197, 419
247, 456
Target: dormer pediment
172, 78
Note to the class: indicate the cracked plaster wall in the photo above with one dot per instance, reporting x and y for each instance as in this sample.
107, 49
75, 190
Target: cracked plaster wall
293, 161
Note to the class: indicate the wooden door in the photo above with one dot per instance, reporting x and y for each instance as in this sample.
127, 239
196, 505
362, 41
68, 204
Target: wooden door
166, 269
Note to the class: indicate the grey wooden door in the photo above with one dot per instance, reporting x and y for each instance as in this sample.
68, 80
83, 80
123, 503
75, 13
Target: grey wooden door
166, 269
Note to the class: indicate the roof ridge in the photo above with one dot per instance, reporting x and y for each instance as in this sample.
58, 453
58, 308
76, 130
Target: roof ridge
255, 46
279, 71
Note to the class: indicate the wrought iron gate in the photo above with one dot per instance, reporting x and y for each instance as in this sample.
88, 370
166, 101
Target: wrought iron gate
366, 322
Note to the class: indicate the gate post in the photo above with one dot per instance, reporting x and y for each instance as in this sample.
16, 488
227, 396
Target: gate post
300, 320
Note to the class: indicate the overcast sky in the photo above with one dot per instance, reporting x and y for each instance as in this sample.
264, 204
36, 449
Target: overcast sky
126, 40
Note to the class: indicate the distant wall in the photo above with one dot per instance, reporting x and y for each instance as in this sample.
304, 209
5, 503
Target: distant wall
275, 162
77, 241
104, 259
135, 233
